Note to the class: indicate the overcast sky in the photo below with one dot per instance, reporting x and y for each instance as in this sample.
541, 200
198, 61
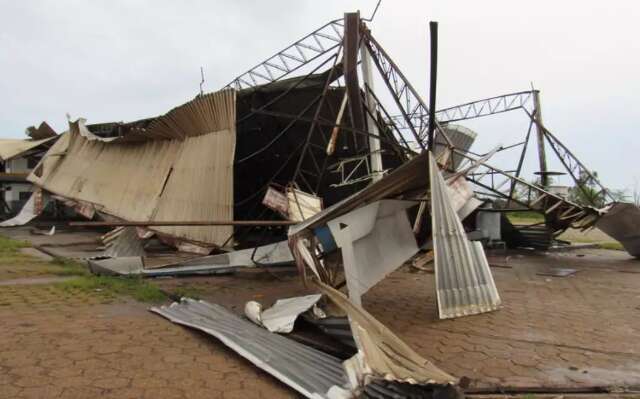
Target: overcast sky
125, 60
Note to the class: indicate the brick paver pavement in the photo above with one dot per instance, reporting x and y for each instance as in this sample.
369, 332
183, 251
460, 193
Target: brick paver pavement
576, 331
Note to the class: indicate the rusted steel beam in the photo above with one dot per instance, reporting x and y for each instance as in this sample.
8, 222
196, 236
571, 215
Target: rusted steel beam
350, 62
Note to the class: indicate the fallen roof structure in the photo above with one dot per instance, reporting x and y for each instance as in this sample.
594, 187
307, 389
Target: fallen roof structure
166, 174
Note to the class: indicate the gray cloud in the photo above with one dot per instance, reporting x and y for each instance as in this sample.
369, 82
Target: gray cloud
123, 60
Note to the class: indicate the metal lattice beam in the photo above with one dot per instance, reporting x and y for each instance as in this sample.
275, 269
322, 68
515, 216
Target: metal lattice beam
498, 184
579, 173
474, 109
405, 96
317, 43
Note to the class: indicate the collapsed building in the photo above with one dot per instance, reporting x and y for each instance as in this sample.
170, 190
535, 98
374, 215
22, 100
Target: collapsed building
316, 170
17, 158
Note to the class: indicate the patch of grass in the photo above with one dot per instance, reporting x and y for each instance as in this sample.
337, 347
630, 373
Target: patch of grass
11, 246
525, 217
134, 287
611, 245
69, 267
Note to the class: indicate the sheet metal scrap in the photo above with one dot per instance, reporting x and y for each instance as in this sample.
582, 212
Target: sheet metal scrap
312, 373
375, 240
282, 316
276, 254
464, 282
381, 354
385, 367
31, 209
621, 221
123, 242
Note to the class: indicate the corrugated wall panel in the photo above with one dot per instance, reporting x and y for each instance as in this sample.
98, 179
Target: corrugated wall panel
464, 282
188, 176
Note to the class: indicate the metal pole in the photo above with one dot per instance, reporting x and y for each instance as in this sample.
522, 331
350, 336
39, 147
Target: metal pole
542, 157
433, 29
372, 127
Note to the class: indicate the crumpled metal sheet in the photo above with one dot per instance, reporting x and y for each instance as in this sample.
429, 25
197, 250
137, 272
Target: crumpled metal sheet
282, 315
126, 243
32, 208
464, 282
375, 240
266, 255
162, 172
311, 372
621, 222
381, 354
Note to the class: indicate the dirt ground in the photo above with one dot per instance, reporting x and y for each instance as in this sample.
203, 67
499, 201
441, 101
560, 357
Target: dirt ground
569, 332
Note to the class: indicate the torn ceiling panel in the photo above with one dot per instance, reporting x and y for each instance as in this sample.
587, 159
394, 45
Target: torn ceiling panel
167, 178
464, 282
375, 240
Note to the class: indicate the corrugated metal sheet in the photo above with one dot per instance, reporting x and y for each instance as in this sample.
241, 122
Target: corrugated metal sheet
464, 282
162, 179
125, 243
309, 371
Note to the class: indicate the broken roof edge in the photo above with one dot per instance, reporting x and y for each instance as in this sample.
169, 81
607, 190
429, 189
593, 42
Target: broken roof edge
43, 131
13, 148
177, 123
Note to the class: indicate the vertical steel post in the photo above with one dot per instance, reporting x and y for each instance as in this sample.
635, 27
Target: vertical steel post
372, 126
433, 29
542, 157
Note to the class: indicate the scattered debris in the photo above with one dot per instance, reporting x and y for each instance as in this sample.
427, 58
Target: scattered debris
312, 373
271, 255
381, 354
557, 272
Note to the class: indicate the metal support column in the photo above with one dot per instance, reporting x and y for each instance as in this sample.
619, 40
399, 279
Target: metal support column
542, 157
372, 126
